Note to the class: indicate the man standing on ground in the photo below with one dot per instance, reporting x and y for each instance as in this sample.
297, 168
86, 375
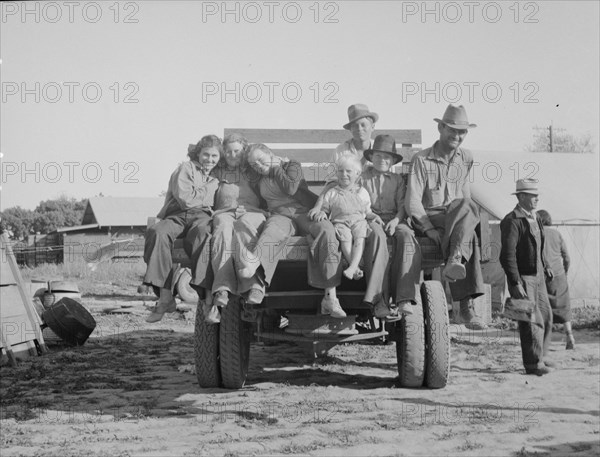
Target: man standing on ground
521, 257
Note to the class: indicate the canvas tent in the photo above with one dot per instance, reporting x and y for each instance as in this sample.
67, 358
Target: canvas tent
569, 190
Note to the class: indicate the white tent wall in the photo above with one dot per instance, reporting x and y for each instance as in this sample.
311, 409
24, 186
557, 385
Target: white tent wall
569, 190
584, 249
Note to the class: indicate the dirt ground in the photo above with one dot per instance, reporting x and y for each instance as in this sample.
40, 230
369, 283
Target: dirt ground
131, 390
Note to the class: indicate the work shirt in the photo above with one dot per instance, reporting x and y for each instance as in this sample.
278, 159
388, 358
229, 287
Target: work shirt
386, 191
189, 188
347, 147
435, 182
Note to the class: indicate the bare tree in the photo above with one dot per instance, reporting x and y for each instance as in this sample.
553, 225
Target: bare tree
550, 140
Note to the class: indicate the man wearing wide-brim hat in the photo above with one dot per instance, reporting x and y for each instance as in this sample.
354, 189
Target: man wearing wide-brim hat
361, 123
522, 259
440, 207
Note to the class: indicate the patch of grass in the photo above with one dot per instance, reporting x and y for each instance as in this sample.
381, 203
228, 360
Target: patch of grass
586, 317
525, 453
469, 445
519, 428
121, 273
296, 448
447, 435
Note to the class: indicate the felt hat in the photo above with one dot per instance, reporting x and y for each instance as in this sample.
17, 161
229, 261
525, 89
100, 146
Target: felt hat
384, 143
455, 117
358, 111
527, 186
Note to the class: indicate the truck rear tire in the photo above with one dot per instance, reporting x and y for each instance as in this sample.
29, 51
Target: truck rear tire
234, 345
410, 348
206, 352
437, 336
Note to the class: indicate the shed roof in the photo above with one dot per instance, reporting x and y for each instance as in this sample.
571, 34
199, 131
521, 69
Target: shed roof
121, 211
569, 183
75, 228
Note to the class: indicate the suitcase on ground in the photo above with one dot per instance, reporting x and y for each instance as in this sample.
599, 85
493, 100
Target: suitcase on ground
70, 321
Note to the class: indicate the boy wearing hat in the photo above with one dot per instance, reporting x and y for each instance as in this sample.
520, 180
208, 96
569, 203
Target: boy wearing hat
440, 206
387, 192
361, 123
522, 259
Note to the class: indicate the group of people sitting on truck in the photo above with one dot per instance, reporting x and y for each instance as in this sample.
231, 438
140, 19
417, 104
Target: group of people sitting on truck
236, 204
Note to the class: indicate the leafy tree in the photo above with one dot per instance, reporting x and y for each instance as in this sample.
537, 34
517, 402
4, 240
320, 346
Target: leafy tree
562, 142
47, 216
18, 220
63, 212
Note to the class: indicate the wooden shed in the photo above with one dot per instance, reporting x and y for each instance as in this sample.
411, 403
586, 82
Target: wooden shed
106, 220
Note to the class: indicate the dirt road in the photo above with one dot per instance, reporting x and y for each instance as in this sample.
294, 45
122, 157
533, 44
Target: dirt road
131, 390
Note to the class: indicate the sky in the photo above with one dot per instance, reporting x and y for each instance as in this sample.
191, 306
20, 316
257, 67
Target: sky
104, 97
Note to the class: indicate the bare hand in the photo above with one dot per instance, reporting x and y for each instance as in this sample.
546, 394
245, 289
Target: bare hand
518, 291
240, 211
390, 227
321, 216
377, 220
313, 213
434, 235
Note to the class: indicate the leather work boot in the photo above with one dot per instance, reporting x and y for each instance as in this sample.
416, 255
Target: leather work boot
380, 310
160, 309
467, 314
221, 298
538, 371
255, 296
454, 269
405, 307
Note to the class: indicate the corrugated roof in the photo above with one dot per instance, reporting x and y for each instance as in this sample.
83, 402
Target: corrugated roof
569, 183
121, 211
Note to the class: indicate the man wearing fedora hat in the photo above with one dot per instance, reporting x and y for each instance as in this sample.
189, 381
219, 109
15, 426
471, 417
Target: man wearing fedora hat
440, 206
361, 123
522, 259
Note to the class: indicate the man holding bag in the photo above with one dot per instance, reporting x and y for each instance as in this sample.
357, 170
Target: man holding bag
523, 262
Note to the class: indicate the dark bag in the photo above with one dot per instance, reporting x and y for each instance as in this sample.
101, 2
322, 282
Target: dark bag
520, 309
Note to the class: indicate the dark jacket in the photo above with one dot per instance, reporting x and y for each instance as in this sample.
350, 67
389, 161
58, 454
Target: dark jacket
518, 255
291, 181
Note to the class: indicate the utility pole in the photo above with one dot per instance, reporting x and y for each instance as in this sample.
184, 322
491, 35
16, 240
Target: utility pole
551, 130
